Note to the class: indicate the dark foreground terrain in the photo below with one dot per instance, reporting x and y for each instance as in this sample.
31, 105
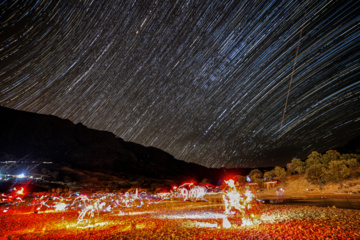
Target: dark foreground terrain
182, 220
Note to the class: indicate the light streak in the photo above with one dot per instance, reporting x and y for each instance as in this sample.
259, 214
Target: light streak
60, 206
15, 197
197, 215
246, 204
197, 224
232, 198
226, 223
41, 203
90, 206
20, 192
197, 193
93, 225
190, 191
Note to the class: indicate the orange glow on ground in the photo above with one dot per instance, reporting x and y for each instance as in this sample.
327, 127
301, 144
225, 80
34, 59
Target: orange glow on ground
135, 215
290, 222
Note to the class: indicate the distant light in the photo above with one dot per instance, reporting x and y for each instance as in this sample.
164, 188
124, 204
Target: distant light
6, 162
21, 176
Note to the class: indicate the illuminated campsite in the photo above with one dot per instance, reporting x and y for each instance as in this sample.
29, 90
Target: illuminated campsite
190, 119
188, 211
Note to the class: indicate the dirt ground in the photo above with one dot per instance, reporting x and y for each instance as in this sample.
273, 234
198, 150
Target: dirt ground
296, 187
185, 220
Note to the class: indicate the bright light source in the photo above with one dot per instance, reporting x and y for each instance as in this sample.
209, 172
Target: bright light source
21, 176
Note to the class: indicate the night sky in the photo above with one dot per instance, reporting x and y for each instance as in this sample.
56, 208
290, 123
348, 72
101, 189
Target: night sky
206, 81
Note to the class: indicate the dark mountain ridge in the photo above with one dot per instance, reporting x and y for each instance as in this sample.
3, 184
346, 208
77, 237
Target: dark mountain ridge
31, 136
45, 138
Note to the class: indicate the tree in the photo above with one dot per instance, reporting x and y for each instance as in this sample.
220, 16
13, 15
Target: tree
351, 163
315, 174
255, 174
269, 175
280, 173
348, 156
330, 155
259, 181
290, 168
313, 159
240, 179
298, 165
337, 171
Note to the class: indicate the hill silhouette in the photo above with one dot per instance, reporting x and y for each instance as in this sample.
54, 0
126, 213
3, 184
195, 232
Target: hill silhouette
37, 137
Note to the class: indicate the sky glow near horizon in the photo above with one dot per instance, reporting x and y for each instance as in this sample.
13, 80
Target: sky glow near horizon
205, 81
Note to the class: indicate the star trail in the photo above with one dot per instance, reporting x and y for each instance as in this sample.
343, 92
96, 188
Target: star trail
206, 81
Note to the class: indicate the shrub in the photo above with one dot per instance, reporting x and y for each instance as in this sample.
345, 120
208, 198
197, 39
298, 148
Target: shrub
315, 174
313, 159
240, 179
298, 165
280, 173
352, 163
337, 171
255, 174
348, 156
269, 175
259, 181
330, 155
290, 168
